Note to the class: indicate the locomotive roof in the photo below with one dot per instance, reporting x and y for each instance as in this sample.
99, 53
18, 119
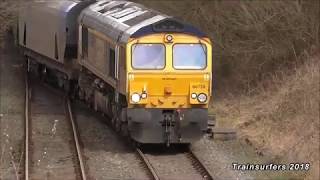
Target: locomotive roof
121, 20
59, 8
48, 27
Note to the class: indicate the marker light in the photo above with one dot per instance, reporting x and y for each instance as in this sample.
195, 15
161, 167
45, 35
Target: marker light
202, 97
135, 97
193, 95
144, 95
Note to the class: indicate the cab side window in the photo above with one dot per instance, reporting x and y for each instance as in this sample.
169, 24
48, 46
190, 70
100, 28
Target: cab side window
112, 60
85, 42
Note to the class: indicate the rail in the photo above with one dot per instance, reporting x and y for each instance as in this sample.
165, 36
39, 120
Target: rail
27, 97
27, 133
76, 140
197, 164
145, 160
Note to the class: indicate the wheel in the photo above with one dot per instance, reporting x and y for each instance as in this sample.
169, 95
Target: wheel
124, 123
66, 85
113, 122
124, 129
81, 94
118, 124
28, 64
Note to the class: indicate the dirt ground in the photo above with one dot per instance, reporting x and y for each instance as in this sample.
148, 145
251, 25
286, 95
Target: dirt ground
107, 156
12, 89
51, 149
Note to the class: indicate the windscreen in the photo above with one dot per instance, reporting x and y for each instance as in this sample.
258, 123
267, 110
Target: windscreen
148, 56
189, 56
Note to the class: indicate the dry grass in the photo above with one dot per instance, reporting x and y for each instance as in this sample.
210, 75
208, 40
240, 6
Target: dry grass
282, 121
8, 9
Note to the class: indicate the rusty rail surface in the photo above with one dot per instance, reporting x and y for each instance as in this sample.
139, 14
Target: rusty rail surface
27, 97
76, 140
146, 162
199, 166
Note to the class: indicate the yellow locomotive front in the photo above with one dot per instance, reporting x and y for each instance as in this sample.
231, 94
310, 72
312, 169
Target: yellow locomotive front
169, 87
169, 71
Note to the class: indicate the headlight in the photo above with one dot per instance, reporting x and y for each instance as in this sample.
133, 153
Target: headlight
193, 95
135, 97
202, 97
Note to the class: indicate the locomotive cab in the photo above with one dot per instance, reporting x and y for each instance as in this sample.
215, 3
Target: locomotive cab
172, 74
169, 87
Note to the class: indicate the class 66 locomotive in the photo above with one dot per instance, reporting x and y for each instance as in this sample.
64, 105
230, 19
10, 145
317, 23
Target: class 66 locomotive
148, 72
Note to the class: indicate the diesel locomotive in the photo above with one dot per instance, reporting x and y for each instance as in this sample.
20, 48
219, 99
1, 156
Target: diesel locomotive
148, 72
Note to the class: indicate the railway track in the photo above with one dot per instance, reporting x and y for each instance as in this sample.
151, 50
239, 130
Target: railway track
76, 140
152, 172
37, 104
26, 153
195, 162
52, 147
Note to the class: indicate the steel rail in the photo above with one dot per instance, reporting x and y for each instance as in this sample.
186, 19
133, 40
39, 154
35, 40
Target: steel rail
148, 164
76, 140
197, 164
27, 96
